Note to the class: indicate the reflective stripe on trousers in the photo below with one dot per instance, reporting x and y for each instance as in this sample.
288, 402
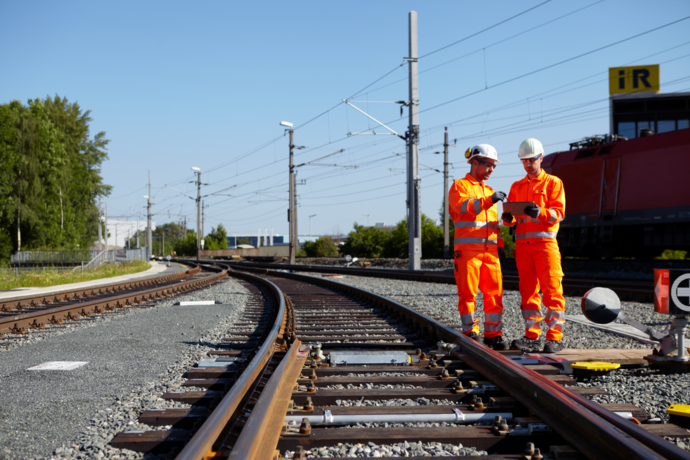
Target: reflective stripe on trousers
474, 271
477, 224
539, 267
477, 206
524, 236
489, 241
468, 322
555, 320
492, 322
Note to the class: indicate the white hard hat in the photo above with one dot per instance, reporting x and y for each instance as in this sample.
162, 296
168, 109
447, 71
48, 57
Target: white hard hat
530, 148
481, 151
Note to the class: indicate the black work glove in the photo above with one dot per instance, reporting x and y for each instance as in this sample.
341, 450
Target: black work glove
498, 196
532, 211
502, 259
507, 217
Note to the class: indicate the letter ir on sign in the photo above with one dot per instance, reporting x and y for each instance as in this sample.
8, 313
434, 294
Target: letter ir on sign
635, 79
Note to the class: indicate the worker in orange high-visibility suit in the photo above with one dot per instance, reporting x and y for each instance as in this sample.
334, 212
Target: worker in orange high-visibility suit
477, 245
536, 250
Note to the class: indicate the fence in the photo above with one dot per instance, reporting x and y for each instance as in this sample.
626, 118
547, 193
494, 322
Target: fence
86, 257
54, 257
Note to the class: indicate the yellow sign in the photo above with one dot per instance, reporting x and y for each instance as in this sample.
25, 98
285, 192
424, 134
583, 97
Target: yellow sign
636, 79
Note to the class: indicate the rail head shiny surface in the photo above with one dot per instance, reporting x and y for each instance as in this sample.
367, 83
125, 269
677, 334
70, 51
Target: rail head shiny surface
201, 444
268, 416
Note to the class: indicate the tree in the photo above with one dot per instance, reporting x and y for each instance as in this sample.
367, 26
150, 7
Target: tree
186, 246
432, 240
508, 241
217, 239
49, 175
322, 247
365, 242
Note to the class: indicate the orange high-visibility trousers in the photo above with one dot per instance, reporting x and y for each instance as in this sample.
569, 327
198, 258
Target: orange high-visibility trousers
480, 270
539, 266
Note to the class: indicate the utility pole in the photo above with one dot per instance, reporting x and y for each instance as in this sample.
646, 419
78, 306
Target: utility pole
149, 239
137, 229
292, 213
106, 226
446, 236
100, 235
202, 219
198, 212
414, 220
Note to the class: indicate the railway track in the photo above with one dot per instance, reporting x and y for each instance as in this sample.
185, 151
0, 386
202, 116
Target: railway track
633, 290
310, 351
19, 314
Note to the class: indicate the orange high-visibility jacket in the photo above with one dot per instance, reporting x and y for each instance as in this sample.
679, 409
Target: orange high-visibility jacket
475, 215
548, 193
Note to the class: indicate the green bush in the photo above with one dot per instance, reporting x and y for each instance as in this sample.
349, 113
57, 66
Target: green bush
671, 254
322, 247
374, 242
186, 246
217, 239
508, 242
365, 242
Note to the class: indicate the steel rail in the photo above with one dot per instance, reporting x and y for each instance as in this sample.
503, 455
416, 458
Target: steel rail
78, 293
200, 447
71, 311
268, 416
595, 433
626, 290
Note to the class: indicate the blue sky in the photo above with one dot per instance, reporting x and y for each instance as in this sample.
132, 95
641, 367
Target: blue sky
205, 84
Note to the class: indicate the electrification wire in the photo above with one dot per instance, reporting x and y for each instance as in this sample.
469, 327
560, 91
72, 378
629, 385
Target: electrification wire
484, 30
528, 30
556, 64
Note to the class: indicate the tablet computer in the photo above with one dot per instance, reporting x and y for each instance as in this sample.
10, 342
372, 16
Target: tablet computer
517, 208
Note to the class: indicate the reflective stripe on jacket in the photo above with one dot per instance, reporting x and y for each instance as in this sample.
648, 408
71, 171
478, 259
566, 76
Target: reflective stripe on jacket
475, 215
548, 193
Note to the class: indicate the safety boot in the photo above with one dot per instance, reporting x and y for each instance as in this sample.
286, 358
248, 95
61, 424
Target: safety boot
552, 346
524, 343
473, 336
497, 343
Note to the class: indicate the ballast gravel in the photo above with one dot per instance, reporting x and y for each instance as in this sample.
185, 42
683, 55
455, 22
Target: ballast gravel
133, 358
440, 302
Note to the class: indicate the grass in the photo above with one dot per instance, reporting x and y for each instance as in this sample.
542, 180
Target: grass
52, 277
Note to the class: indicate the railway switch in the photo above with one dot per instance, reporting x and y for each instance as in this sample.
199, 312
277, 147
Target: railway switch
672, 296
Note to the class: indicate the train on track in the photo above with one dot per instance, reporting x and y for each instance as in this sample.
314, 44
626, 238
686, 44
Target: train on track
627, 197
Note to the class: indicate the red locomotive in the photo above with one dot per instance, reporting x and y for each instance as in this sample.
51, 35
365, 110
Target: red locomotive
625, 198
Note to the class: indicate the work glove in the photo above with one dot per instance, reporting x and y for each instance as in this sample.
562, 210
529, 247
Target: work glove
532, 211
502, 259
498, 196
507, 217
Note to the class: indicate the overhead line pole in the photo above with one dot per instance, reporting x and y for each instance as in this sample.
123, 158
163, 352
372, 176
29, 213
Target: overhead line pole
292, 214
198, 215
446, 235
414, 219
149, 239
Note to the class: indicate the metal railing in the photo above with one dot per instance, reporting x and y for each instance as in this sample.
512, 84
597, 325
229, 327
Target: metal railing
55, 257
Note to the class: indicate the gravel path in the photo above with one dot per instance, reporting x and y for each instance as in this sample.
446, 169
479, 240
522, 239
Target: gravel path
133, 358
